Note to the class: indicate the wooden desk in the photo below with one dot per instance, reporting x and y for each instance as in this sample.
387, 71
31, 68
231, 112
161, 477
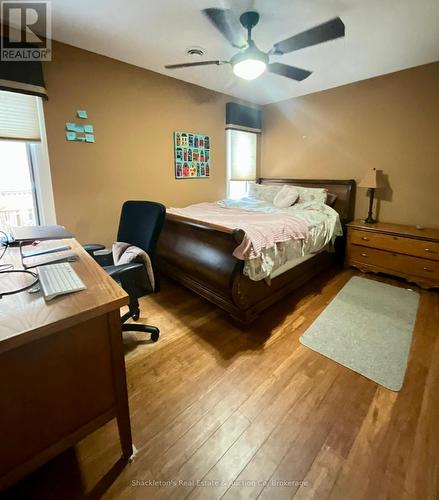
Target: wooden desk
62, 369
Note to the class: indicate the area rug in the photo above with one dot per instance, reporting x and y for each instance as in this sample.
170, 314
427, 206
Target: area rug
368, 328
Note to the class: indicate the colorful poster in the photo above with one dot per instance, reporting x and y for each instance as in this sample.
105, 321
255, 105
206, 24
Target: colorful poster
192, 155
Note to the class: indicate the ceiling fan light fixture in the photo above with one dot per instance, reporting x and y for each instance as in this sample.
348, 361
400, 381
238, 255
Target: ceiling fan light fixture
250, 63
249, 69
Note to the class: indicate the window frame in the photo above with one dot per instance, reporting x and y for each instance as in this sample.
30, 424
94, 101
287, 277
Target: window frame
35, 197
39, 155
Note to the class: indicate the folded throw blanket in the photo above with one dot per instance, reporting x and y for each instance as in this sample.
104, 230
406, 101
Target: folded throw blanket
124, 253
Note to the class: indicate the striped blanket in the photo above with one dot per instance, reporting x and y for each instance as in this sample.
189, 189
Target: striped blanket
262, 230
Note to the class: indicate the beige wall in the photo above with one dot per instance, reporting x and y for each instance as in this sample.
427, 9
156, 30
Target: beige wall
134, 113
390, 123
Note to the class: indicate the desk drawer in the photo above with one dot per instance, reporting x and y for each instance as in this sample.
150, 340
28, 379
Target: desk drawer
409, 246
400, 264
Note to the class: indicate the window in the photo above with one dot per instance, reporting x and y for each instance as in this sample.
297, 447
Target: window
241, 161
25, 185
18, 206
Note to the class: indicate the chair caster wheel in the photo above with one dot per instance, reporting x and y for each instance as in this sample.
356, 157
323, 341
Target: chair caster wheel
155, 336
136, 316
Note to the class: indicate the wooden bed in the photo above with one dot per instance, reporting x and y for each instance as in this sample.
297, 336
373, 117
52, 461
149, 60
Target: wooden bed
199, 256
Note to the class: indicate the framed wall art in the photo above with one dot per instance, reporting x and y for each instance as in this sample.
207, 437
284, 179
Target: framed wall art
192, 155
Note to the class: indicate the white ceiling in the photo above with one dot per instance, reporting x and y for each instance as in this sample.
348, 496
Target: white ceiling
382, 36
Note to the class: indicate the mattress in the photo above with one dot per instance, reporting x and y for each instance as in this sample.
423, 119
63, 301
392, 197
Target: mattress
289, 264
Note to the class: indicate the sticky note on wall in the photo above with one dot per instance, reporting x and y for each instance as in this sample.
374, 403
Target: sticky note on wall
71, 136
88, 129
81, 113
73, 127
89, 138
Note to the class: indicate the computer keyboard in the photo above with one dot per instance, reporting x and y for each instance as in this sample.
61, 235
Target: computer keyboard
58, 279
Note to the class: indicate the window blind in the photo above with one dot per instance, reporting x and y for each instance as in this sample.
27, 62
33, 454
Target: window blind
19, 117
241, 155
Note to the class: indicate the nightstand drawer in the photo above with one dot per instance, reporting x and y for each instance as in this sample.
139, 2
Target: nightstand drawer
401, 264
409, 246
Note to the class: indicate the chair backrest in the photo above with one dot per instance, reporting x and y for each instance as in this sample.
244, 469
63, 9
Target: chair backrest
141, 223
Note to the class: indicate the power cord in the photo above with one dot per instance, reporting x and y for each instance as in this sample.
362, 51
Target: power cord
5, 243
9, 269
24, 288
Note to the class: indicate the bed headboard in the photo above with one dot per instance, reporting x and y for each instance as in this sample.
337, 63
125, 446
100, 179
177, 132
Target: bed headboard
344, 189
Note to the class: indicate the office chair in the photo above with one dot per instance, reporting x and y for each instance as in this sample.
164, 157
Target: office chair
140, 225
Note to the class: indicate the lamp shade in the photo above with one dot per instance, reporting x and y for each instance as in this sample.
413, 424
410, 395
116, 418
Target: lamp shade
372, 179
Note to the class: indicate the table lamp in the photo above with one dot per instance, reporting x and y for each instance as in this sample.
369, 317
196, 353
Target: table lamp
372, 180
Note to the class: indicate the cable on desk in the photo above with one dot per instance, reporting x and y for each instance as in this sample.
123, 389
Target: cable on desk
8, 269
4, 243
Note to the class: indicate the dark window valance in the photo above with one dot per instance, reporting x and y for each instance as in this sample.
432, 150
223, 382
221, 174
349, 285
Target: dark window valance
24, 77
240, 117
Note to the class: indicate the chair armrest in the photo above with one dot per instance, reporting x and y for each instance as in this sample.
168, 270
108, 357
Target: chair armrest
92, 247
102, 255
123, 270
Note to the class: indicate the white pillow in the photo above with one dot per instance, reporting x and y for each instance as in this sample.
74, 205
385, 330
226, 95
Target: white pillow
307, 195
263, 191
286, 197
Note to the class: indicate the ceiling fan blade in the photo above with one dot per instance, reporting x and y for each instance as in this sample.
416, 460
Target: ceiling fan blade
289, 71
322, 33
225, 22
199, 63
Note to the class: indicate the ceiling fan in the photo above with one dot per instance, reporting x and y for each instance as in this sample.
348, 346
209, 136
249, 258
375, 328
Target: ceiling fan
250, 62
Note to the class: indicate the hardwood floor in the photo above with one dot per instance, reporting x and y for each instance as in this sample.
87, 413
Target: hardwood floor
217, 412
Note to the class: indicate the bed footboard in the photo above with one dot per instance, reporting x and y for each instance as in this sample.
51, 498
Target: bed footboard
199, 256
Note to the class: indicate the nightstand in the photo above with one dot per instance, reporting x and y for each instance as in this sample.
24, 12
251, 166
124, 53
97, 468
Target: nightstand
395, 249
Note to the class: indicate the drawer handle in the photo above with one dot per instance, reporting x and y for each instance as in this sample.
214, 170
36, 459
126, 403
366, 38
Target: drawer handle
367, 239
428, 269
429, 250
364, 254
